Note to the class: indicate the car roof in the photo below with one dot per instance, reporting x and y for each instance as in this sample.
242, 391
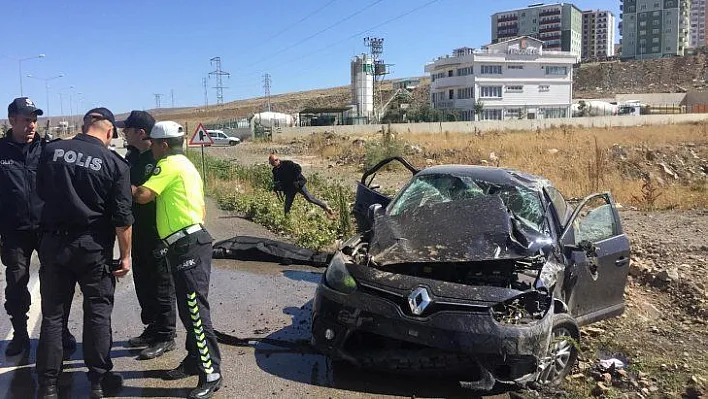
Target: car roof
490, 174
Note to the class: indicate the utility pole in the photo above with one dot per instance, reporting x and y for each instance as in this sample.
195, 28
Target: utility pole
172, 94
375, 45
219, 83
206, 93
266, 86
157, 100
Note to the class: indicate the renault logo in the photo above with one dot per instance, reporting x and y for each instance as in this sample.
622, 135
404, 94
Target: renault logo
418, 300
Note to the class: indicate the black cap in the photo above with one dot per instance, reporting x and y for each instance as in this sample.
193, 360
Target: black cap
101, 113
23, 106
138, 120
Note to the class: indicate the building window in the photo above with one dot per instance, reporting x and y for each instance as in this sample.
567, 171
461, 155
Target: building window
491, 114
515, 89
491, 69
555, 112
465, 71
465, 93
450, 73
451, 94
515, 67
655, 40
655, 31
642, 33
655, 49
544, 88
643, 23
512, 113
556, 70
490, 91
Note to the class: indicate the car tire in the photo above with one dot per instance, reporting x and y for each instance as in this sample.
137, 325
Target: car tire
562, 352
232, 143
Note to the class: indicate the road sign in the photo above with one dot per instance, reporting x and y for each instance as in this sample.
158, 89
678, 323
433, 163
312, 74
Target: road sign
200, 137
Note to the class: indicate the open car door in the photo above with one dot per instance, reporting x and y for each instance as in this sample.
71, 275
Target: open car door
598, 257
366, 194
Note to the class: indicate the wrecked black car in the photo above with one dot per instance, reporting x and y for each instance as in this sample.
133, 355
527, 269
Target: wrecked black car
484, 271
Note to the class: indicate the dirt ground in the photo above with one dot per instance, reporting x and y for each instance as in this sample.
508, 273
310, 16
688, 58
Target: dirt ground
662, 338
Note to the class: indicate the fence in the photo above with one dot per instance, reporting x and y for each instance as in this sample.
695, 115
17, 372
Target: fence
481, 126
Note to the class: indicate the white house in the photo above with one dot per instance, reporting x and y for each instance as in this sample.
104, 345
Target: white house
514, 79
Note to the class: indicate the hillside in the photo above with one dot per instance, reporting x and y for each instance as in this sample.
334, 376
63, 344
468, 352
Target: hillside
592, 80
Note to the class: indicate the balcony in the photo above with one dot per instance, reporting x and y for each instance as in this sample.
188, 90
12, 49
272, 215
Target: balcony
550, 21
507, 19
549, 13
548, 38
546, 30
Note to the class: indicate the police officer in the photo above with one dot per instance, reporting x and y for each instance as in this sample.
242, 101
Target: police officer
87, 203
177, 188
20, 209
153, 282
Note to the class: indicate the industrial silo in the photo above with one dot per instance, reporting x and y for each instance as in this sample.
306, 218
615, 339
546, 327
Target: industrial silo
363, 87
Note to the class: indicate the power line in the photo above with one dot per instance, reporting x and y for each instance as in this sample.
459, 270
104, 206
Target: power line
278, 53
301, 20
358, 34
219, 83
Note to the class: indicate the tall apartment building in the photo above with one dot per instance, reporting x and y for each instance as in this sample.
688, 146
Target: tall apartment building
654, 28
598, 34
558, 26
698, 24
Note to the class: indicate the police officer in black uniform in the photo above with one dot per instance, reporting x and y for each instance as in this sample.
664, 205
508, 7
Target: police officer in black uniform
153, 281
20, 209
87, 203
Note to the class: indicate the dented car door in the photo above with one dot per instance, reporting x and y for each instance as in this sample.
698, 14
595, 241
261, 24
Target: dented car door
597, 253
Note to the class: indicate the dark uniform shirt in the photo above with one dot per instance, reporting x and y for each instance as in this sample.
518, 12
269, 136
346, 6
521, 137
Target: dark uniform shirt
20, 207
141, 167
288, 176
85, 187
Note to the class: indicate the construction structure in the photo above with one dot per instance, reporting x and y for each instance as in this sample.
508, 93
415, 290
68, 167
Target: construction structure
266, 88
219, 74
654, 29
362, 85
558, 26
598, 34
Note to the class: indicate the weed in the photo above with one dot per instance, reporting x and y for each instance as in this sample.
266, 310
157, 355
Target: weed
650, 193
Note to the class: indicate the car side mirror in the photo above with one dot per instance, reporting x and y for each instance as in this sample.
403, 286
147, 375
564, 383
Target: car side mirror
374, 211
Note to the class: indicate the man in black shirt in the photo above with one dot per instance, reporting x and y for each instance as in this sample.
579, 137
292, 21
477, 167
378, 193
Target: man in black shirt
288, 179
20, 209
87, 203
153, 281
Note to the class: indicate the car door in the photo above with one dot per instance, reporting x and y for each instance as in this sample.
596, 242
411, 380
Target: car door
366, 194
597, 252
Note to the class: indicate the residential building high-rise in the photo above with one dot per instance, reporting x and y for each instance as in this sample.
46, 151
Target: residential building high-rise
598, 34
558, 26
699, 20
654, 28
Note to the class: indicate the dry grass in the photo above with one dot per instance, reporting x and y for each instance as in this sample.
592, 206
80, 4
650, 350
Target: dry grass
578, 161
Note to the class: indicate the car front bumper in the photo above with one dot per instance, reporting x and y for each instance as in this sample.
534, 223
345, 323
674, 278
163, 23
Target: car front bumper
372, 331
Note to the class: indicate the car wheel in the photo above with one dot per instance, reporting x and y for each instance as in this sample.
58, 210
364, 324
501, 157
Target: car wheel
562, 351
233, 142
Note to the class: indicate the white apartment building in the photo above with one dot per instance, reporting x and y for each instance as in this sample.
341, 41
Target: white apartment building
598, 34
513, 79
697, 36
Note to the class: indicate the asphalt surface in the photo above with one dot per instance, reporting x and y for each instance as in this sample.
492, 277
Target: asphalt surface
249, 300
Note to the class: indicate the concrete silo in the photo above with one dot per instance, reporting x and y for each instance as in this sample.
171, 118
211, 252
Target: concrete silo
363, 87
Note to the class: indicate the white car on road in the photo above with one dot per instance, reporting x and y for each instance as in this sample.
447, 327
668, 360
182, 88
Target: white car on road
221, 138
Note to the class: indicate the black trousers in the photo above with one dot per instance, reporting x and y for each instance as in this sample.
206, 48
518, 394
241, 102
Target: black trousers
290, 197
190, 262
16, 254
67, 260
153, 287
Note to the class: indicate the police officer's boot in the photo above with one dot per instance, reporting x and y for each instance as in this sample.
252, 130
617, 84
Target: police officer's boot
111, 383
20, 339
47, 392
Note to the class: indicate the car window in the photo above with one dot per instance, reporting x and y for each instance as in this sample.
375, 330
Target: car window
431, 189
595, 222
211, 134
559, 203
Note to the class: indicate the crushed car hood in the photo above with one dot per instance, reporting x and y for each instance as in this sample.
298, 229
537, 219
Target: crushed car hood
462, 231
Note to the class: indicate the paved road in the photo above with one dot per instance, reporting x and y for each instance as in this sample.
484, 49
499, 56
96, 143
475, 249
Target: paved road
249, 299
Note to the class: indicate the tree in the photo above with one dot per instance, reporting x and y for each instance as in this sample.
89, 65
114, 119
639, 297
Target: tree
478, 108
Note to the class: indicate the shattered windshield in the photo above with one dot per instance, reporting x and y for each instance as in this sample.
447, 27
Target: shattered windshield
427, 190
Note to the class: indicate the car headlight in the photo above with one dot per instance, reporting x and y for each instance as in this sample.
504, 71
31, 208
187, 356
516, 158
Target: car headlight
523, 309
337, 276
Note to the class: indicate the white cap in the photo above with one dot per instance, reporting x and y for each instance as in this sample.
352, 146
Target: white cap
166, 130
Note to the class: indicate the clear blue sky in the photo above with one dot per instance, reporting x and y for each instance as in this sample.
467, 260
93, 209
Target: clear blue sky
119, 53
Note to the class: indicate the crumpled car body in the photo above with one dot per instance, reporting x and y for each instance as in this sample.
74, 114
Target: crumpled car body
481, 272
